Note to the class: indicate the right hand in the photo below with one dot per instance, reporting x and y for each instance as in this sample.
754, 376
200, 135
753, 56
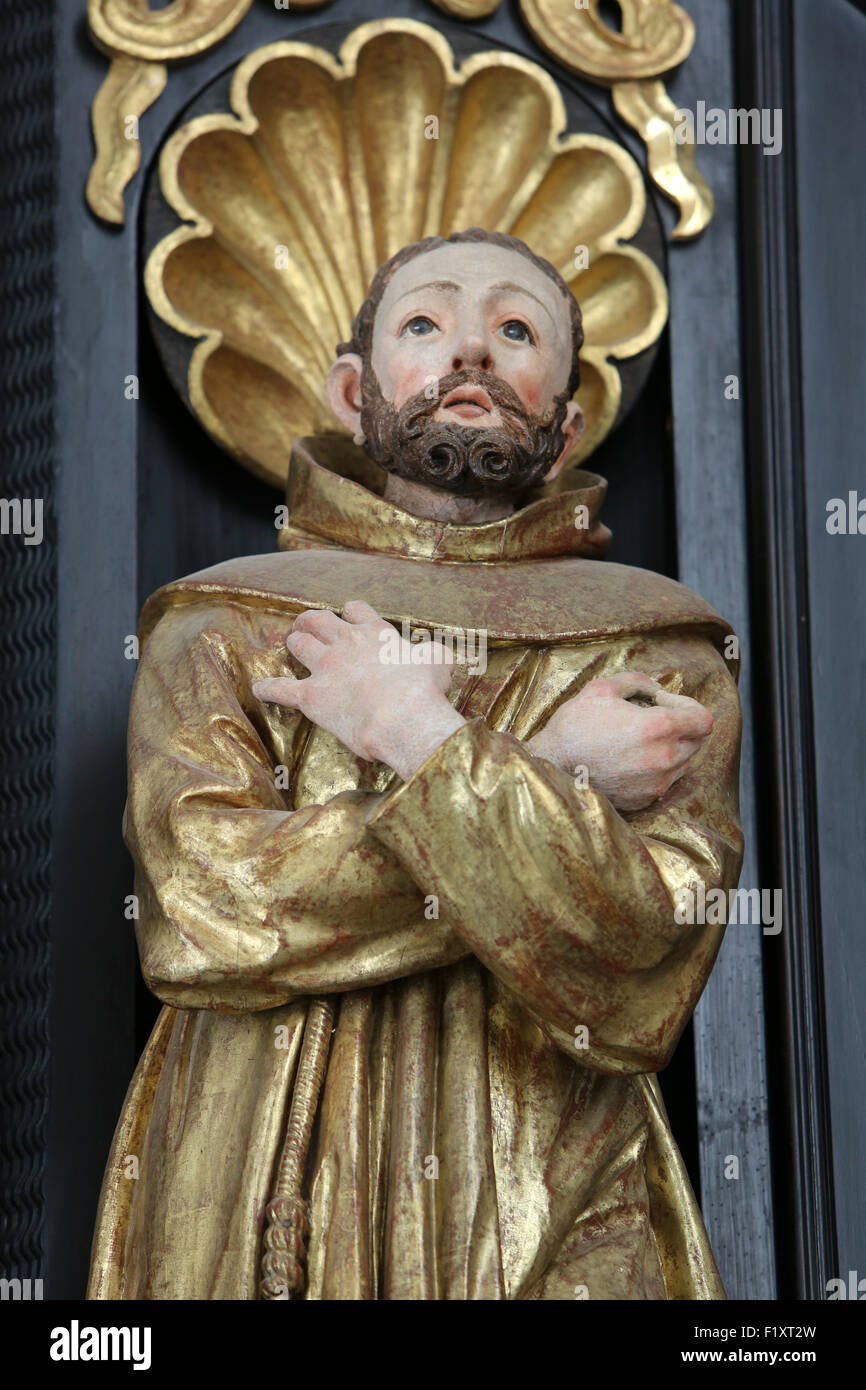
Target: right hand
632, 754
367, 687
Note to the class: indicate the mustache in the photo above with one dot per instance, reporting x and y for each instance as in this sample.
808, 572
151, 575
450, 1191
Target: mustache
503, 397
462, 459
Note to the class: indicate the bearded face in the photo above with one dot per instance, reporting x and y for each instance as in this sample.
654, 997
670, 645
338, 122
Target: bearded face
466, 460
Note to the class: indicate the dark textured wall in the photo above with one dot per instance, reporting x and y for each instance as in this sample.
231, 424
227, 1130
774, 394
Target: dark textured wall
27, 621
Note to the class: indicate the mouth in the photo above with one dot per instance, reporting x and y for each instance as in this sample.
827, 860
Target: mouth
469, 402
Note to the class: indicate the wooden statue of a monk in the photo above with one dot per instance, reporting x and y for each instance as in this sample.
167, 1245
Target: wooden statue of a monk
439, 764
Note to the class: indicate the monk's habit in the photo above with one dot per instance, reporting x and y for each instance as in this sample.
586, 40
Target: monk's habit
502, 945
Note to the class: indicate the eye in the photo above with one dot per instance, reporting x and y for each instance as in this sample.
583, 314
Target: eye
516, 331
418, 327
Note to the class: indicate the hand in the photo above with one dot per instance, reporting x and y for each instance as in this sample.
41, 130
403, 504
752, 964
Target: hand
632, 754
365, 687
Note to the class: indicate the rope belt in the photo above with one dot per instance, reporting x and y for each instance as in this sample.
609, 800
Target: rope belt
287, 1213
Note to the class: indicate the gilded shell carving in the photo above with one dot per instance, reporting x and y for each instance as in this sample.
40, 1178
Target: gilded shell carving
331, 164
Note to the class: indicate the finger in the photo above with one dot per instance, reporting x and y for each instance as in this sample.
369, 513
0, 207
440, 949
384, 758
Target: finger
623, 684
672, 776
321, 623
687, 748
679, 755
305, 647
279, 690
680, 770
693, 719
357, 611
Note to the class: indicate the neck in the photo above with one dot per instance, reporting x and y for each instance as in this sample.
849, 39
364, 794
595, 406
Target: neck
436, 505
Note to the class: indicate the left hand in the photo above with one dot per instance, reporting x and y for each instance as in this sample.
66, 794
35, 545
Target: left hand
365, 689
633, 755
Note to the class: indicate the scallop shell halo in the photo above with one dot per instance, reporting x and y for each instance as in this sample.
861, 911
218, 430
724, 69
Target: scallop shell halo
327, 168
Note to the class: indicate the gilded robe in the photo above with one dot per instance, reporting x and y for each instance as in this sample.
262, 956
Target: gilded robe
490, 1126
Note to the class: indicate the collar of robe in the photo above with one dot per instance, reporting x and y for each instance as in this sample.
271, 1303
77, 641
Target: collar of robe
334, 498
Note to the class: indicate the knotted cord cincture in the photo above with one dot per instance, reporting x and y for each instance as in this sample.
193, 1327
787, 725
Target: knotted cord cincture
287, 1214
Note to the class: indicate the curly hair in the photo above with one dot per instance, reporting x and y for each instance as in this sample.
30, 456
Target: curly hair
361, 341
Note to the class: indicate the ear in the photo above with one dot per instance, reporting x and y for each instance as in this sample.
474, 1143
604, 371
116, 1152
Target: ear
572, 428
344, 392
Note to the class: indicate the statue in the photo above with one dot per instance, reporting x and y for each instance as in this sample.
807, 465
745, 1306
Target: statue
414, 805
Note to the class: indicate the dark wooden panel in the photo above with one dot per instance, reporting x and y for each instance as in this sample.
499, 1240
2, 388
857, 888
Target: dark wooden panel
830, 58
712, 537
93, 950
786, 774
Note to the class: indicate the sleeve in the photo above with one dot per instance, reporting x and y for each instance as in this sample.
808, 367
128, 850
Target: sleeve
244, 903
570, 904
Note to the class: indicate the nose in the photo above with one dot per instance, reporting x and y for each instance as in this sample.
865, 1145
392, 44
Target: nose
472, 351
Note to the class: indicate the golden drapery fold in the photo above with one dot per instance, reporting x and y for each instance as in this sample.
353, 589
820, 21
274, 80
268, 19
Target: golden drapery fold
502, 942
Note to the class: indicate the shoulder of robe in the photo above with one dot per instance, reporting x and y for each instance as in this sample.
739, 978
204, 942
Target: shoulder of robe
559, 600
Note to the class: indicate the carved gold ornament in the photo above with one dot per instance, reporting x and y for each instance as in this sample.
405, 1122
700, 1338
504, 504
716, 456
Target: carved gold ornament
467, 9
656, 37
140, 41
130, 86
331, 164
180, 30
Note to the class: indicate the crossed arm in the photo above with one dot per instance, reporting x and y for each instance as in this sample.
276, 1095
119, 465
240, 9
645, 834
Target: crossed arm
397, 713
245, 904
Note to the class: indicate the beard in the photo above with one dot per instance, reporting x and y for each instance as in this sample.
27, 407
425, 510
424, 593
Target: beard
465, 460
